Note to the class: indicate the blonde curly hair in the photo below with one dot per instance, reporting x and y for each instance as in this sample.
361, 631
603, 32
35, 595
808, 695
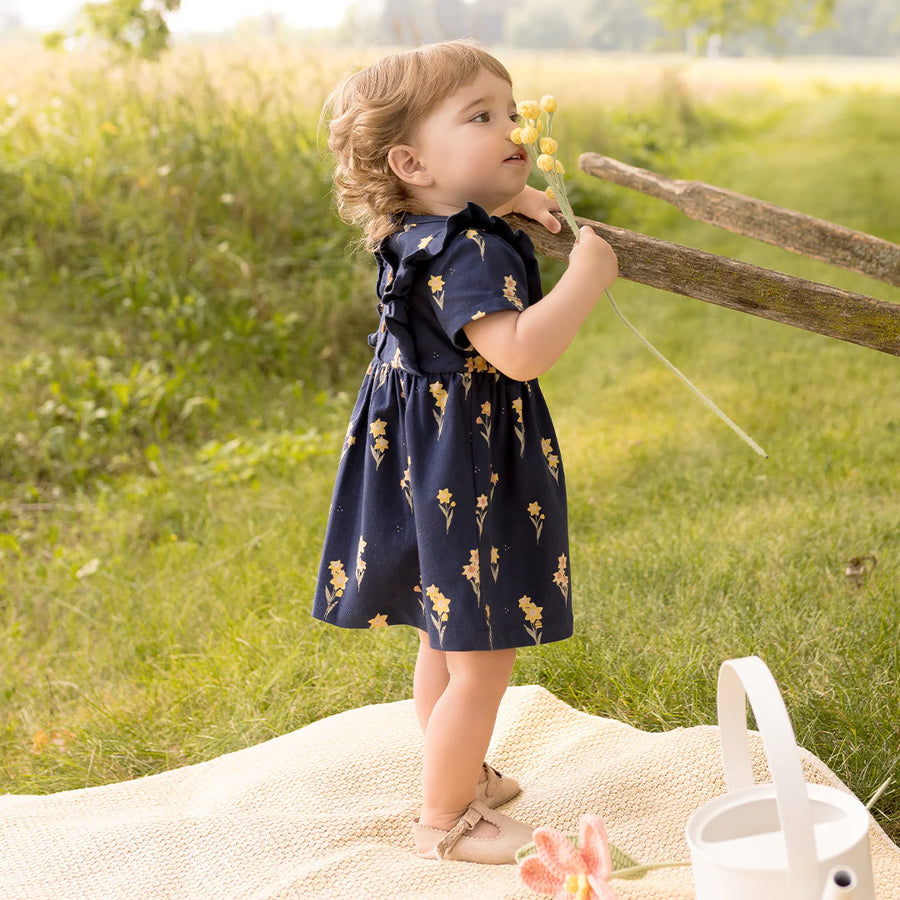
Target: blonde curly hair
380, 106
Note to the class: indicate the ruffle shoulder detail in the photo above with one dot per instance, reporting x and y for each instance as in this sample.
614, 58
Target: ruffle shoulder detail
425, 237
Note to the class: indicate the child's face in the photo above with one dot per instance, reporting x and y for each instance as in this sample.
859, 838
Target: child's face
463, 151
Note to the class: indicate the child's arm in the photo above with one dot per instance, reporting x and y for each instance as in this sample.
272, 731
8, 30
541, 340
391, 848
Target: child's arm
535, 205
523, 345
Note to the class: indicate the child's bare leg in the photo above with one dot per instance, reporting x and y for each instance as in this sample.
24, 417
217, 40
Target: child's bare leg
430, 679
459, 732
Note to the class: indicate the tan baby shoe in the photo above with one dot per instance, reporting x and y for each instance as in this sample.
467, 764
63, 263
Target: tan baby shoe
493, 788
458, 844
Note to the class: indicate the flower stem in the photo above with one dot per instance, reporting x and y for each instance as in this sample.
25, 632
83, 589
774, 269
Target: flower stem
557, 185
697, 392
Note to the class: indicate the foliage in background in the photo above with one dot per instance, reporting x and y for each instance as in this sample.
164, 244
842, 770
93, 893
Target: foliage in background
132, 27
866, 27
187, 238
715, 17
852, 27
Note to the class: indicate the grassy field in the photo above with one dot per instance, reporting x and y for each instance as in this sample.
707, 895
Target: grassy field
182, 337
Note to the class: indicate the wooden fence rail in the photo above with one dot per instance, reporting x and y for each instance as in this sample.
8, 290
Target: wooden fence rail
795, 231
737, 285
816, 307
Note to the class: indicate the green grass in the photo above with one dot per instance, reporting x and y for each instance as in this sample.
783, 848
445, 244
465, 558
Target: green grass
166, 463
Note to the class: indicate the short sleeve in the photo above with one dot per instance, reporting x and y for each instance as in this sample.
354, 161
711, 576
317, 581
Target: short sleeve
477, 273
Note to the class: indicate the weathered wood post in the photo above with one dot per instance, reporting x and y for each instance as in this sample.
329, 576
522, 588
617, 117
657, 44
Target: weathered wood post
816, 307
786, 228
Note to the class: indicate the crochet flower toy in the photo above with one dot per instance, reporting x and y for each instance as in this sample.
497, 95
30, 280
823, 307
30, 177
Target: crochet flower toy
559, 869
554, 865
534, 136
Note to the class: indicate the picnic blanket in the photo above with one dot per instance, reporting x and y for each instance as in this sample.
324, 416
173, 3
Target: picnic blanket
326, 812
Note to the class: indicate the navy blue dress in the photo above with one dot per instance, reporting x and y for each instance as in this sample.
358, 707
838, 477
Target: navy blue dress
449, 510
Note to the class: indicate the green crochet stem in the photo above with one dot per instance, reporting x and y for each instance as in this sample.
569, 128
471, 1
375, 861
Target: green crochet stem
570, 218
641, 870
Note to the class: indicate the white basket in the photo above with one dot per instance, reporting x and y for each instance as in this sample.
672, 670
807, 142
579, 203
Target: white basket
787, 840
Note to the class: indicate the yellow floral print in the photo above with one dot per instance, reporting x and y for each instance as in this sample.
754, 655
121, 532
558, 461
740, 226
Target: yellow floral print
360, 562
406, 482
510, 289
537, 519
479, 364
495, 478
474, 235
439, 392
380, 443
338, 584
484, 420
446, 503
381, 374
476, 364
417, 590
380, 621
495, 563
520, 427
532, 618
481, 511
551, 457
560, 579
436, 283
350, 438
440, 610
425, 241
472, 571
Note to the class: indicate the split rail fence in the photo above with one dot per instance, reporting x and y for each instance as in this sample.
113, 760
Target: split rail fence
827, 310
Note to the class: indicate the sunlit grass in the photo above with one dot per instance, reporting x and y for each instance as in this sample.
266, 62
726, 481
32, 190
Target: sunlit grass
156, 568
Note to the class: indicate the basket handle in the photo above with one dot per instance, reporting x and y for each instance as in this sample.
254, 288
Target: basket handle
750, 679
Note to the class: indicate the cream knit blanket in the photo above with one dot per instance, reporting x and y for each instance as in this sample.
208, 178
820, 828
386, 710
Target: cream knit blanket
326, 812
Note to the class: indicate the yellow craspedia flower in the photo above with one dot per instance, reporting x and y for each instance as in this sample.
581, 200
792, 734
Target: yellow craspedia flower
539, 124
560, 168
516, 135
530, 109
548, 145
548, 103
545, 163
528, 134
550, 193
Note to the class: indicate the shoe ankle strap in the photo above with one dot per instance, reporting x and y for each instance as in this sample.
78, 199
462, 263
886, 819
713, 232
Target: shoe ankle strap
469, 819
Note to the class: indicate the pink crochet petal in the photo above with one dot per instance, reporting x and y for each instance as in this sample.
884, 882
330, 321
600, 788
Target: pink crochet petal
534, 874
601, 888
557, 853
594, 843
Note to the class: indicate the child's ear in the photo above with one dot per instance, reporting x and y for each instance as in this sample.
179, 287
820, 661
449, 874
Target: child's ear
405, 165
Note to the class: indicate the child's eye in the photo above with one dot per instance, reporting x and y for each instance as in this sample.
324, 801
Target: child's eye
516, 118
482, 117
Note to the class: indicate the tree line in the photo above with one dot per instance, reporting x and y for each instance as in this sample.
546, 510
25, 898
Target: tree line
752, 27
748, 28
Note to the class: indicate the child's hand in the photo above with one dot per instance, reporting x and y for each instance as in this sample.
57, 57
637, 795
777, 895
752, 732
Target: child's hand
593, 257
535, 205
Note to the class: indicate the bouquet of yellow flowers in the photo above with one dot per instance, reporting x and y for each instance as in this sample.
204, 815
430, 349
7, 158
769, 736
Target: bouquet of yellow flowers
534, 134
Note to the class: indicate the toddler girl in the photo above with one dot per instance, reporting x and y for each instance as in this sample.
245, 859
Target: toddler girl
449, 511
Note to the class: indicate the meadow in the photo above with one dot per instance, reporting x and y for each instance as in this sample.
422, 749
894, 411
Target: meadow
183, 332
